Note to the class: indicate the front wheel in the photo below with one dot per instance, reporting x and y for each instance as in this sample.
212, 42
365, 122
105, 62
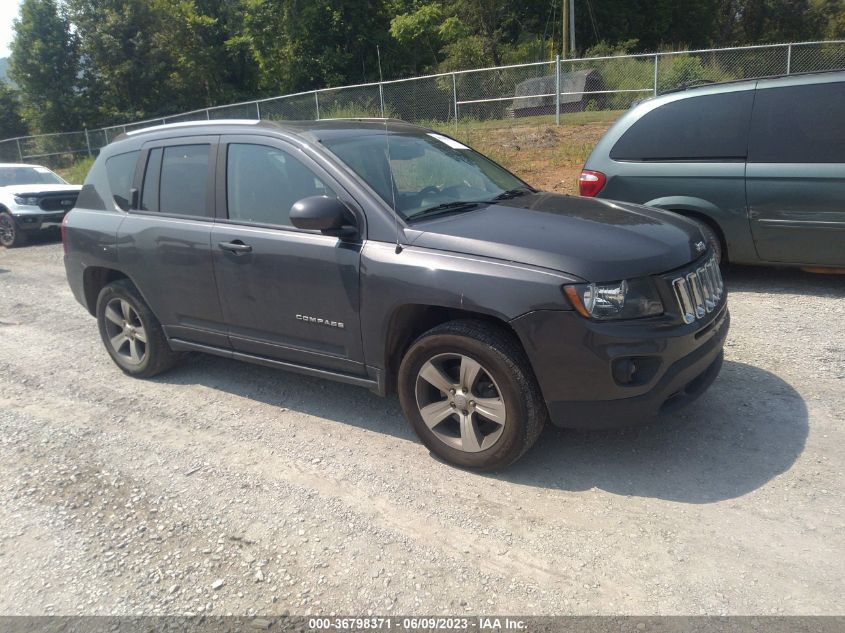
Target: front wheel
470, 395
10, 235
131, 333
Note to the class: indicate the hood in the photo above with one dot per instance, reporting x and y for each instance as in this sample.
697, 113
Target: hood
597, 240
34, 190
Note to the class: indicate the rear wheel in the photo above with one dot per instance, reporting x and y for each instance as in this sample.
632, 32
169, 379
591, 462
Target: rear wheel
131, 333
711, 238
470, 395
10, 235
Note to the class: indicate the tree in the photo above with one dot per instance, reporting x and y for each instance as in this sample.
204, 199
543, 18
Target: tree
11, 120
44, 64
300, 45
125, 68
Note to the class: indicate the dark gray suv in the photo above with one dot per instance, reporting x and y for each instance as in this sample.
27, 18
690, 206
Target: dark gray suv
761, 164
389, 256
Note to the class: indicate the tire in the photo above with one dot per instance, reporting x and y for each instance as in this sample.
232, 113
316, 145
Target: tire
10, 234
711, 238
131, 333
497, 415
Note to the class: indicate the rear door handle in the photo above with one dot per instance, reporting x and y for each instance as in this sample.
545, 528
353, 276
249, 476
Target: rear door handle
235, 246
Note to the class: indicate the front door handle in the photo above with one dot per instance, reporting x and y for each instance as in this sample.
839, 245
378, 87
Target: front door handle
235, 246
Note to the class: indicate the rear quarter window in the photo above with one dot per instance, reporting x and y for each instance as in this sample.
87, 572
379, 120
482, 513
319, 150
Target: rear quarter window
120, 170
708, 127
799, 124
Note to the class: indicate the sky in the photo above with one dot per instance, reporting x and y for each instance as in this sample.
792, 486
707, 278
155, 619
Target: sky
8, 12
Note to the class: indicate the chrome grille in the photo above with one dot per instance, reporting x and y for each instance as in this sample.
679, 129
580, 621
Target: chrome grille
699, 291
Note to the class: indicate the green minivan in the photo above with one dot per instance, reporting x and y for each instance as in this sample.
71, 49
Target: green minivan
760, 164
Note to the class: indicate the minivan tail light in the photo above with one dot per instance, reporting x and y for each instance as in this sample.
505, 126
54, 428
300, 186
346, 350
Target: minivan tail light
591, 182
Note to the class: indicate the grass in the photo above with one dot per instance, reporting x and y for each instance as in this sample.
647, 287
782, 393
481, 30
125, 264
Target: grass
75, 174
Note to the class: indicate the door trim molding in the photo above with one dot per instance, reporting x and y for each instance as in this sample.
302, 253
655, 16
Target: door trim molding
181, 345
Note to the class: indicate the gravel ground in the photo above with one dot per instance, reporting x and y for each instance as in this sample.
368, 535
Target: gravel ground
228, 488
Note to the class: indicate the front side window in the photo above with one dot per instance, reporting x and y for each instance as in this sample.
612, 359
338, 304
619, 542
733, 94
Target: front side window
799, 124
426, 171
183, 182
121, 172
709, 127
263, 183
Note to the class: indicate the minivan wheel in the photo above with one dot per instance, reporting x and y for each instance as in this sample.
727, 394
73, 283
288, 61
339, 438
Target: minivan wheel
10, 235
712, 238
131, 333
470, 395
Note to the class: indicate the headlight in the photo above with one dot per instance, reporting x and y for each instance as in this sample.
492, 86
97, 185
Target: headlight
626, 299
27, 200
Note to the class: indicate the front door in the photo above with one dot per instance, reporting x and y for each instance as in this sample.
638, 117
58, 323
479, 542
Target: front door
286, 293
795, 177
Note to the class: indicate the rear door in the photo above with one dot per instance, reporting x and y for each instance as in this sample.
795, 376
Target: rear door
286, 293
795, 177
164, 242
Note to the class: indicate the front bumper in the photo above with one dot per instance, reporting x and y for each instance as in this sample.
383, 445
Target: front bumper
35, 220
577, 363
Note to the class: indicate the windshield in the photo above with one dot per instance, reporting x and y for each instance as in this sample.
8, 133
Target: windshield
28, 176
430, 172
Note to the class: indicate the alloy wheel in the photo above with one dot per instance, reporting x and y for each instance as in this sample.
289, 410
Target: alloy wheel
460, 402
7, 230
126, 333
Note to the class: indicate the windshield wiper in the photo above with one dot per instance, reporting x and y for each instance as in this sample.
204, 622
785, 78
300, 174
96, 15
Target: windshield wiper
460, 205
447, 207
513, 193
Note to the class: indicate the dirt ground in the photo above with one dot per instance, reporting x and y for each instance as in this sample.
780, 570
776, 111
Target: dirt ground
222, 487
545, 155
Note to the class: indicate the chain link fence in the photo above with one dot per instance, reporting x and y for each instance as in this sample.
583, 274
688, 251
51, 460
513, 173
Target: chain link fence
541, 91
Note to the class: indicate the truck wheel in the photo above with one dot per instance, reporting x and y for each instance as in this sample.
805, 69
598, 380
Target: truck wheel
471, 396
10, 235
131, 333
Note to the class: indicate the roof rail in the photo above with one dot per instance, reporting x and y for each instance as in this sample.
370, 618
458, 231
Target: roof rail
698, 83
167, 126
385, 119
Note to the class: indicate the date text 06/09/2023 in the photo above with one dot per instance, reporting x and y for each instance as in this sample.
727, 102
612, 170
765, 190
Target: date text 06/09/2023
415, 623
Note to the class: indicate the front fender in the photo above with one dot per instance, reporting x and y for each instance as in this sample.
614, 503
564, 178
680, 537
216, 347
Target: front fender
427, 277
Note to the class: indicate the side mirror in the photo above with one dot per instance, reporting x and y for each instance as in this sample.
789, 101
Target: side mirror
322, 213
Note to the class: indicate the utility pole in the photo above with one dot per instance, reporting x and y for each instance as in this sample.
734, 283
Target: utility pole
567, 19
564, 37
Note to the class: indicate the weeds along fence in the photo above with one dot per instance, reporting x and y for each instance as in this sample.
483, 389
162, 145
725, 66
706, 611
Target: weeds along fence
542, 91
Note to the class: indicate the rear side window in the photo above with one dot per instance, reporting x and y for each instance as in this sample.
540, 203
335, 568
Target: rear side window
149, 191
183, 181
709, 127
263, 183
121, 172
799, 124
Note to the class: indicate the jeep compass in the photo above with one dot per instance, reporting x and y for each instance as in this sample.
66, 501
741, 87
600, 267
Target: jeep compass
385, 255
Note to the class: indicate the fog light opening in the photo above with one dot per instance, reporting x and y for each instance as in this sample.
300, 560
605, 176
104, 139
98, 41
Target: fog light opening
635, 370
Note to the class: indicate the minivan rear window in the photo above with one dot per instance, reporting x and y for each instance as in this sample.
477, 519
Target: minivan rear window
799, 124
708, 127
